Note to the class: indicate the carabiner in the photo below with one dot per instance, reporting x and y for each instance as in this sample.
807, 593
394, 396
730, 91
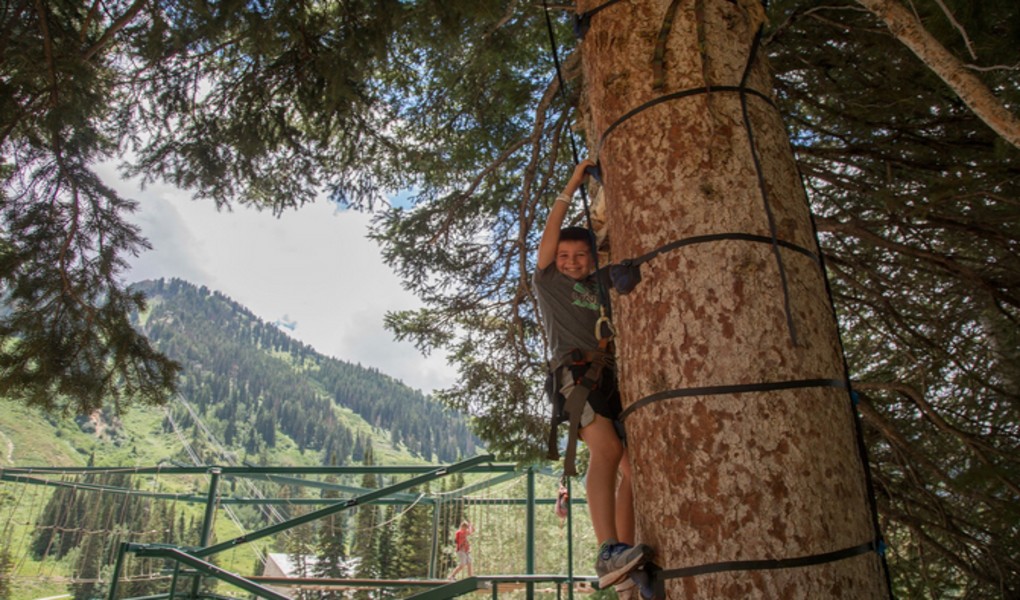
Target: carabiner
603, 320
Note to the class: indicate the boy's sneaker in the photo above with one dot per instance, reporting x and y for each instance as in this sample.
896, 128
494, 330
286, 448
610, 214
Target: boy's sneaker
616, 561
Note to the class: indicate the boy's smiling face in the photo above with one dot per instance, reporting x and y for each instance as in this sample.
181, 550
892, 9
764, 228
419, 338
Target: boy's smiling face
573, 258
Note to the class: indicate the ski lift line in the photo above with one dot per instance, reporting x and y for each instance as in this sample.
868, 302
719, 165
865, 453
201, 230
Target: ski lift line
259, 554
221, 450
253, 489
195, 459
213, 440
344, 505
180, 437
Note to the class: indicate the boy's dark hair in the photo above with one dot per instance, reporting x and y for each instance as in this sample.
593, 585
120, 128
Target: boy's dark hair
579, 234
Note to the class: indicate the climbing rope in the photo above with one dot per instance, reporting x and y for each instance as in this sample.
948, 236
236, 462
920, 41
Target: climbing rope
605, 304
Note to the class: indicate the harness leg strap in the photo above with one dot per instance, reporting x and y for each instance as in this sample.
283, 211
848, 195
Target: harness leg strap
574, 407
552, 451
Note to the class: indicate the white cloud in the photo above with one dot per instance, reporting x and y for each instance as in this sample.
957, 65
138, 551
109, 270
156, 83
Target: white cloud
314, 266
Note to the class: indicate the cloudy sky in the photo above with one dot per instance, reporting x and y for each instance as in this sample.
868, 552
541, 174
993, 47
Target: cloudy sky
313, 266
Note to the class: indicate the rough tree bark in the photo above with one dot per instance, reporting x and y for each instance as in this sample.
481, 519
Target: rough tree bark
722, 476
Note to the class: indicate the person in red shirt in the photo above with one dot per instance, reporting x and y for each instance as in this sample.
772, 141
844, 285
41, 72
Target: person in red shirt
463, 549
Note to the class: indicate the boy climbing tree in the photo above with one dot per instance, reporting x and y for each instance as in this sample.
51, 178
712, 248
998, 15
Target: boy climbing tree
582, 366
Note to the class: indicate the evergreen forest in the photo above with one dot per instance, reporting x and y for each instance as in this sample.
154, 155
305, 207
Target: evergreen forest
249, 382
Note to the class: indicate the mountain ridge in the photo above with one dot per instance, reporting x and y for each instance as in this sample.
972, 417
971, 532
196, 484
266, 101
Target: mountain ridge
249, 393
253, 373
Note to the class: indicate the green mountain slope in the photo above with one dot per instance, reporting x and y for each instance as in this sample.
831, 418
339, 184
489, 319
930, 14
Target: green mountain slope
251, 383
249, 394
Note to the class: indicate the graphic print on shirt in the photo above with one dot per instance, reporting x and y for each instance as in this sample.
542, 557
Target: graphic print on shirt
584, 296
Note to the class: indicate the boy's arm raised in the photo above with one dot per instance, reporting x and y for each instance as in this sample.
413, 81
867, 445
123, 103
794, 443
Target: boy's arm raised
558, 212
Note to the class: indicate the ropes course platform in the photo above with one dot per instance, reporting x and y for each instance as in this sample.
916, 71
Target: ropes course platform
159, 534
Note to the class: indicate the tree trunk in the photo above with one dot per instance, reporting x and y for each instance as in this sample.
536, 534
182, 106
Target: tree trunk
722, 475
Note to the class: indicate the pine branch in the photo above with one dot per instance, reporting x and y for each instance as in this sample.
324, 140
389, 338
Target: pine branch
980, 448
945, 263
117, 25
974, 93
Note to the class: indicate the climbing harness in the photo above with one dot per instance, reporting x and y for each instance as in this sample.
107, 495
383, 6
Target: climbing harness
593, 379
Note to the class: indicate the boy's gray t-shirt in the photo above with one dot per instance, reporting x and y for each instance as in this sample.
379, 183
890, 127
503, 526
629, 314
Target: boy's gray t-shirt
570, 310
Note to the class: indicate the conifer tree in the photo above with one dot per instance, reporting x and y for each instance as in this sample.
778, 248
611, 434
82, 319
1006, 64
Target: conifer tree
415, 540
87, 568
365, 537
299, 549
389, 544
331, 555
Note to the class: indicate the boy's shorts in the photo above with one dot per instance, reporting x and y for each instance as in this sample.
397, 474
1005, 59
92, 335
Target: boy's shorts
604, 400
463, 558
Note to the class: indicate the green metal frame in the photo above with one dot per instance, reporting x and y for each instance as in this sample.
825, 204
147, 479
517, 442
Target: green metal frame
192, 557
